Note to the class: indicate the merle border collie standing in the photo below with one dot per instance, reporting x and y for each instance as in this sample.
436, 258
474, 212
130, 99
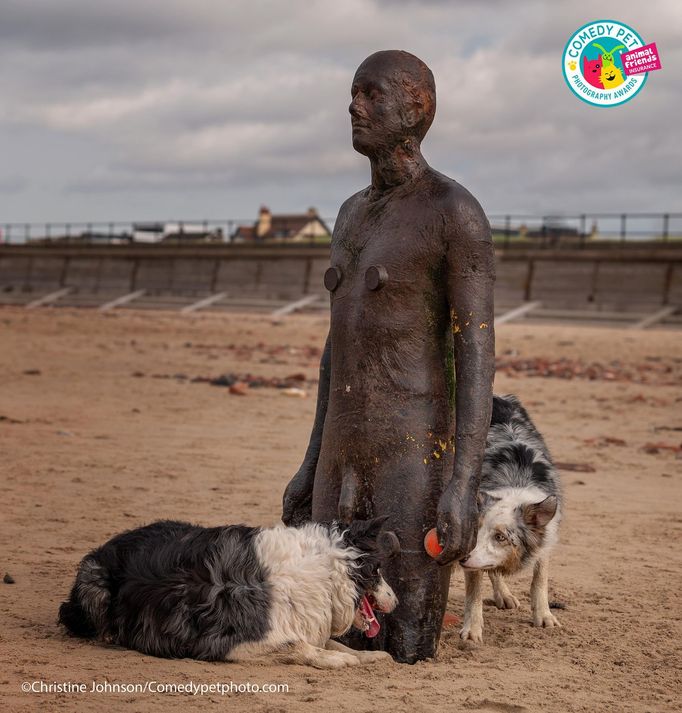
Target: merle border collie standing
520, 505
232, 593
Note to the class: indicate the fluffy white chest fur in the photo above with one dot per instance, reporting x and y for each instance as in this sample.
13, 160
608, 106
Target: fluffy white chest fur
313, 598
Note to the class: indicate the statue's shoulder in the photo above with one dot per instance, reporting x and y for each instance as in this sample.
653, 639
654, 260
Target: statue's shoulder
352, 203
462, 214
347, 212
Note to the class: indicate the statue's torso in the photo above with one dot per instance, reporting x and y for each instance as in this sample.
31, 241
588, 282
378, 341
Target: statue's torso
392, 373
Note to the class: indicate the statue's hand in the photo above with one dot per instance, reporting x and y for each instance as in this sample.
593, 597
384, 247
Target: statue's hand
457, 526
297, 504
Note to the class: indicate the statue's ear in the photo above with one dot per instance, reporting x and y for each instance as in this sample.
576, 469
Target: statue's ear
412, 113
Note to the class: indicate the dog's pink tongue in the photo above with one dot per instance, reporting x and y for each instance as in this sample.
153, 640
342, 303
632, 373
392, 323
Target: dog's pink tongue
374, 625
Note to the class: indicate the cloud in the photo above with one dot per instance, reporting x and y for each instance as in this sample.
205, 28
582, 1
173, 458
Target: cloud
12, 184
174, 98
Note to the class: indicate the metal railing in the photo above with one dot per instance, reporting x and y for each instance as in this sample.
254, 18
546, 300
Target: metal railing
509, 230
580, 230
225, 230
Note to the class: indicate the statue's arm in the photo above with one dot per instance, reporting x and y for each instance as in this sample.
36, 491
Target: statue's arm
471, 277
298, 495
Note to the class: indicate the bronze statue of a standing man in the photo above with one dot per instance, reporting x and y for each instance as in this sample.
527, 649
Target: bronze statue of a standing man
406, 375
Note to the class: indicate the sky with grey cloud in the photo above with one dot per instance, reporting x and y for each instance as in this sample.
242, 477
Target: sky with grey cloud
207, 109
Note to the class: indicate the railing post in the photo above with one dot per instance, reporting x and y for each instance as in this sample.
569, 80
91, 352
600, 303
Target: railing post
507, 230
27, 231
623, 228
543, 231
48, 230
583, 229
666, 226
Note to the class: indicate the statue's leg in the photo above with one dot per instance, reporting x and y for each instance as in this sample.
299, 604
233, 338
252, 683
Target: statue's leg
408, 492
412, 630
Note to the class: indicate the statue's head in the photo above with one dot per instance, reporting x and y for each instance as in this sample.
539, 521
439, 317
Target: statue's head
393, 101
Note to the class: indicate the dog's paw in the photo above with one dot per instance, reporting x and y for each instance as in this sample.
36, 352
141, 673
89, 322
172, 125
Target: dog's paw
374, 656
337, 659
545, 621
472, 632
506, 601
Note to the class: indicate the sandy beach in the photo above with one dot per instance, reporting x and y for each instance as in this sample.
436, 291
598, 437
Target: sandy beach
109, 421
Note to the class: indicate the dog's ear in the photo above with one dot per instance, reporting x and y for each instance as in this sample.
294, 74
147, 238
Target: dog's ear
485, 500
503, 409
375, 524
369, 528
362, 533
537, 515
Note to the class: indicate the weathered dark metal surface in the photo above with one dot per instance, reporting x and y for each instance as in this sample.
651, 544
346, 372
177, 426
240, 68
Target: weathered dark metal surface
395, 434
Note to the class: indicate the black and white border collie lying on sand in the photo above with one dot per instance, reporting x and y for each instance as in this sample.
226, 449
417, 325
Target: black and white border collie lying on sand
234, 593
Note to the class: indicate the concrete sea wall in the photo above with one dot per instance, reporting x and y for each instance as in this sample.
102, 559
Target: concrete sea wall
613, 278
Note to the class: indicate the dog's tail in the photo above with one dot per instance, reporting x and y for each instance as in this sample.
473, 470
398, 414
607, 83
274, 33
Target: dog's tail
85, 612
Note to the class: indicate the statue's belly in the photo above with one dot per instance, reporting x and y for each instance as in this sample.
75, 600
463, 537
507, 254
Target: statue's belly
388, 430
391, 383
393, 461
388, 436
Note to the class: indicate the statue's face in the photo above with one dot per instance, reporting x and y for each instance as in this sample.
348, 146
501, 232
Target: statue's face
377, 110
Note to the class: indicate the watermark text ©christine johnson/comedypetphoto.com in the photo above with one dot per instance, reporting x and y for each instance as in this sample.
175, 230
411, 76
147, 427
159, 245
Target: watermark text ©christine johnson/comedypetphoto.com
192, 688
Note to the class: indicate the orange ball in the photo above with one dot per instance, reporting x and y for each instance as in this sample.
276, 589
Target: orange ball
431, 544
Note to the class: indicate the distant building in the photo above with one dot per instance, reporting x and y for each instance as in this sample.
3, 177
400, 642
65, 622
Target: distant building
173, 232
295, 227
244, 233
